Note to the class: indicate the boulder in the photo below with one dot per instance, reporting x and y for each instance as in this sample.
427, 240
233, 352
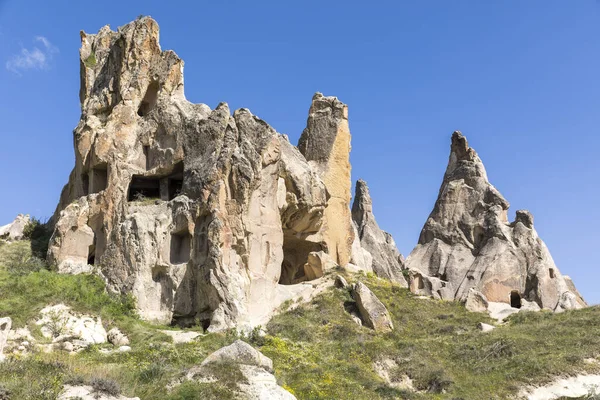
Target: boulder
14, 230
485, 327
240, 352
372, 311
117, 338
200, 213
387, 262
476, 301
469, 242
257, 369
340, 282
317, 264
84, 392
60, 324
5, 324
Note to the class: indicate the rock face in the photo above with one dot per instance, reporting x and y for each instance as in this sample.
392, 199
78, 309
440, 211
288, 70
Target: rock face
325, 143
60, 324
387, 262
14, 230
372, 311
476, 301
468, 242
201, 214
257, 369
5, 324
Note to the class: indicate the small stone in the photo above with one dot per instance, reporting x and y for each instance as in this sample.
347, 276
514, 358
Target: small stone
116, 337
485, 327
68, 346
340, 282
124, 349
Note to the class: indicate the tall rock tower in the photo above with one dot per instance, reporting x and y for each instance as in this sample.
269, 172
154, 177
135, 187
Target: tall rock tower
468, 242
325, 143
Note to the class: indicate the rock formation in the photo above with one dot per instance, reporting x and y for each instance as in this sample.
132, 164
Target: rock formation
325, 143
256, 368
468, 242
387, 262
5, 324
372, 311
14, 230
202, 215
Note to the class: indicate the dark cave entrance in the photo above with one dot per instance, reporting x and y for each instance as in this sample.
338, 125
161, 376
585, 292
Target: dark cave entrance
295, 255
515, 299
142, 188
149, 101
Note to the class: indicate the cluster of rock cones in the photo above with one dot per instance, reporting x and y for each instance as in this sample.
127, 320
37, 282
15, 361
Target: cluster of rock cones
215, 218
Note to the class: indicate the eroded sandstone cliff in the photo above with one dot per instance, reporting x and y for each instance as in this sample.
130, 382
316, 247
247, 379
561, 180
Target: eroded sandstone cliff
206, 216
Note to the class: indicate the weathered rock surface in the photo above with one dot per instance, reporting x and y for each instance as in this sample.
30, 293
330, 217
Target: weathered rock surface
476, 301
117, 338
257, 369
468, 242
325, 143
387, 262
483, 327
5, 324
60, 324
14, 230
576, 387
372, 311
85, 392
202, 214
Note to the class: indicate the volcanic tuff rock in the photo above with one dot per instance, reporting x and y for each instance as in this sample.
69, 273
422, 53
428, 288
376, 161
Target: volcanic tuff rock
468, 242
387, 262
14, 230
201, 214
372, 311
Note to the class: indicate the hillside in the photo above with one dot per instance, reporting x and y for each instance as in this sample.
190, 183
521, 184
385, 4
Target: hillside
436, 350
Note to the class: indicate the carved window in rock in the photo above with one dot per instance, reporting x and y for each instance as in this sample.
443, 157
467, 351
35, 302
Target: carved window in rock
551, 273
149, 100
144, 188
515, 299
98, 178
180, 249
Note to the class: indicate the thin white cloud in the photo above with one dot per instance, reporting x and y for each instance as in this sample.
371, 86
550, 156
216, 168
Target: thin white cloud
37, 57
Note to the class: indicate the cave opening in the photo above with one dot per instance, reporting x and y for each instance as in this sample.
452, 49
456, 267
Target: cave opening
295, 255
149, 100
85, 184
180, 247
515, 299
143, 188
92, 254
551, 272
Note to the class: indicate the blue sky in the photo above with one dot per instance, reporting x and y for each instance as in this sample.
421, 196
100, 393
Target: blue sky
519, 79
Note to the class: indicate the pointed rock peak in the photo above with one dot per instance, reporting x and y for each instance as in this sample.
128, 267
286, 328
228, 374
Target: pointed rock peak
464, 161
362, 205
362, 194
460, 148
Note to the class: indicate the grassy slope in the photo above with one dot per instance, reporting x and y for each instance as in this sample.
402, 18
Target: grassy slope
318, 352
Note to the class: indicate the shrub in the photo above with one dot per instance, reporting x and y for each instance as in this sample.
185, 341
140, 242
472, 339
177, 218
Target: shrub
105, 385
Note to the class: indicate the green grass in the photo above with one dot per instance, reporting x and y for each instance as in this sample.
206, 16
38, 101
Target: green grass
90, 62
318, 351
